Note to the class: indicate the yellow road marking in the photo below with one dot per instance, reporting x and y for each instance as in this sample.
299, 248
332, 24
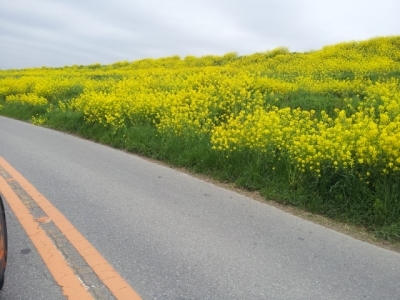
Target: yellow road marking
106, 273
72, 288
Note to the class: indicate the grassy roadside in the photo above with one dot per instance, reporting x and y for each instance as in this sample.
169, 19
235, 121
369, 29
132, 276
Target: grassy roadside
316, 131
146, 142
357, 232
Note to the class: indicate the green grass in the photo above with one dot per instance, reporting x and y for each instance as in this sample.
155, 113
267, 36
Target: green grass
23, 112
341, 196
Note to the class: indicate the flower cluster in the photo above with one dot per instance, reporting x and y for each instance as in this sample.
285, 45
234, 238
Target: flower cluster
337, 107
29, 98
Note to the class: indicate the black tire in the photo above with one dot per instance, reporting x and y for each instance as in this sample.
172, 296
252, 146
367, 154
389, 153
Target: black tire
4, 240
2, 283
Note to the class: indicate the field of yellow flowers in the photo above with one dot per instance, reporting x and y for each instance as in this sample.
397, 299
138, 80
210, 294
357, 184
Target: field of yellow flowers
319, 129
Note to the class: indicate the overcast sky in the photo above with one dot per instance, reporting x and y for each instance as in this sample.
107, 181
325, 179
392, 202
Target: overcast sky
35, 33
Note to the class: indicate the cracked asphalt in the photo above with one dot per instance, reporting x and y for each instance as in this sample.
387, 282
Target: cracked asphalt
172, 236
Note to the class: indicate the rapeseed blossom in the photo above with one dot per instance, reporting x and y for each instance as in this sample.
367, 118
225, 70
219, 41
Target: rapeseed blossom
245, 103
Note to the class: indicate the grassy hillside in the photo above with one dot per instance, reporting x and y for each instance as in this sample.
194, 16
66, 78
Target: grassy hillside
319, 130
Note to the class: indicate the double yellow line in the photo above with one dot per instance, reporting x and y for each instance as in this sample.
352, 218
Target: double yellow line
72, 286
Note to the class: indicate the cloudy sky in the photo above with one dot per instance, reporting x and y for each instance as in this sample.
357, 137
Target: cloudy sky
35, 33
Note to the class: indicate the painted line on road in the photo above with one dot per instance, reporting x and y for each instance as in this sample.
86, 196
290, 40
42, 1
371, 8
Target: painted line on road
71, 287
106, 273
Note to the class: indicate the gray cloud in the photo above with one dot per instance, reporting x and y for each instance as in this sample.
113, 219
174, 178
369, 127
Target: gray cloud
58, 33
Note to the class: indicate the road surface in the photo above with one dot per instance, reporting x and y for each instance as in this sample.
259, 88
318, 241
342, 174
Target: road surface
173, 236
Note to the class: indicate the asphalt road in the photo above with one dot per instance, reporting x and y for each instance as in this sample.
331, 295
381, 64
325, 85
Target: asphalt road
27, 276
172, 236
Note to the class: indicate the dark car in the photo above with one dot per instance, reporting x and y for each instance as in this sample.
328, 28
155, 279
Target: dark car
3, 243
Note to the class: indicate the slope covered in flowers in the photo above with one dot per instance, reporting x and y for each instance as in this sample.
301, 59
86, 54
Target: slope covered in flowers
325, 123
